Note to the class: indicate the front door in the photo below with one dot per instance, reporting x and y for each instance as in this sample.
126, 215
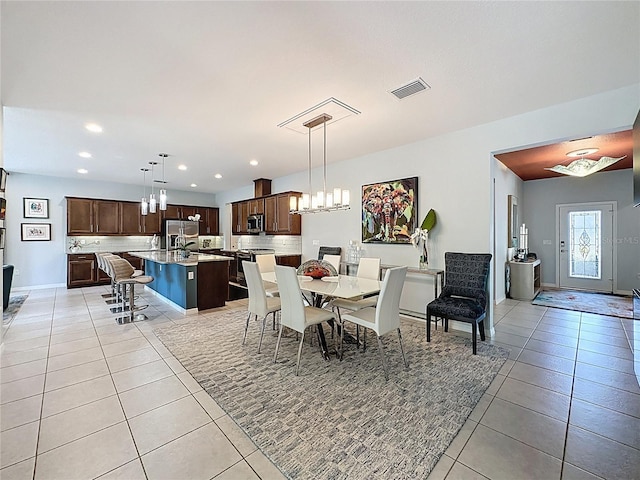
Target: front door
586, 242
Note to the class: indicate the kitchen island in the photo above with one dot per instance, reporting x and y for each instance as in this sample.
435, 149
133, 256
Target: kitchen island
200, 281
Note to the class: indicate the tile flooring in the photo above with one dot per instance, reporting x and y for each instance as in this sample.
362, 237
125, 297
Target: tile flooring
83, 397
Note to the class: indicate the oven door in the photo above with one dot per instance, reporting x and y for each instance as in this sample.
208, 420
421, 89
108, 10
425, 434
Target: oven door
240, 257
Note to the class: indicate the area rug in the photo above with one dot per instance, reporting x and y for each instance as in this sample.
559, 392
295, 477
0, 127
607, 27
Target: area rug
339, 420
12, 309
600, 303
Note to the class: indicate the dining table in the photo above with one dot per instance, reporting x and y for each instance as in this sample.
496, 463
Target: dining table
327, 288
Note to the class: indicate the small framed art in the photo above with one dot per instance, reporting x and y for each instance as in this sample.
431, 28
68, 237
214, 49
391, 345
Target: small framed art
36, 232
36, 208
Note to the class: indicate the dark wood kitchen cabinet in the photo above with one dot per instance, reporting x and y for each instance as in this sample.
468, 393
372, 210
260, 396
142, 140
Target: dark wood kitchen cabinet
81, 270
277, 219
130, 218
255, 206
107, 217
240, 212
152, 223
209, 220
79, 216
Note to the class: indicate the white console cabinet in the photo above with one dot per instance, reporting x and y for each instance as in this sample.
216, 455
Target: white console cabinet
525, 280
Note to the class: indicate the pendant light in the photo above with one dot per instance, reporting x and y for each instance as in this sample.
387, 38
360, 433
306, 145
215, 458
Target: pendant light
152, 197
144, 205
163, 192
323, 200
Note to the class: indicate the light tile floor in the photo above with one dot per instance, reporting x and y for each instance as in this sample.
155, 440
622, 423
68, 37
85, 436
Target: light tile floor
83, 397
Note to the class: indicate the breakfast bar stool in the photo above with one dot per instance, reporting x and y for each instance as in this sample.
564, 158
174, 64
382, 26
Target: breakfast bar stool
132, 282
102, 265
123, 277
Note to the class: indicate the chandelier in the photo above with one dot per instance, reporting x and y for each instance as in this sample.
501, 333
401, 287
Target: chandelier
324, 200
583, 166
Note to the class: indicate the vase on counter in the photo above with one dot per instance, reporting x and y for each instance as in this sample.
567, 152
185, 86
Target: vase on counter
74, 249
424, 258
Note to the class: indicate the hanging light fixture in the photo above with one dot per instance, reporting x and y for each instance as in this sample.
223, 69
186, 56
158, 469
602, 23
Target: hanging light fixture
152, 196
323, 200
583, 166
163, 192
144, 205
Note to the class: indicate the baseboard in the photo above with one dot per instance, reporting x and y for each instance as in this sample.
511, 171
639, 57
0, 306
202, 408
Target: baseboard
38, 287
549, 285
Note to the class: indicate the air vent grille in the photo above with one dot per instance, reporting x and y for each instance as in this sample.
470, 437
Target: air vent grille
411, 88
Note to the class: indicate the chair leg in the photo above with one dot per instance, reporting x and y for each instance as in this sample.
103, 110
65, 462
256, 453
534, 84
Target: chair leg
264, 322
474, 329
246, 327
299, 353
341, 350
383, 358
404, 359
446, 324
481, 326
364, 339
275, 355
428, 317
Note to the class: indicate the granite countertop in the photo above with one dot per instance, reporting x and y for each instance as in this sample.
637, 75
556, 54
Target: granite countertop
162, 256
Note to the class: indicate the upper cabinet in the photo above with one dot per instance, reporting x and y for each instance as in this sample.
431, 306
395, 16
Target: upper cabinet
255, 206
239, 214
86, 216
277, 219
79, 216
130, 219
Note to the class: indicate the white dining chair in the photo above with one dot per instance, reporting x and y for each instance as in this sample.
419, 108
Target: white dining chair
266, 264
367, 268
259, 304
385, 316
295, 314
333, 260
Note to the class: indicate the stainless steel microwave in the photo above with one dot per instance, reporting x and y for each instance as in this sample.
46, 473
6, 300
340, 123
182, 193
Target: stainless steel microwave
255, 223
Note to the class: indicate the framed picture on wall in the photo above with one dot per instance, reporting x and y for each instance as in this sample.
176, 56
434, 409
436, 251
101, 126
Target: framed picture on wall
36, 207
2, 237
35, 232
3, 179
3, 208
389, 211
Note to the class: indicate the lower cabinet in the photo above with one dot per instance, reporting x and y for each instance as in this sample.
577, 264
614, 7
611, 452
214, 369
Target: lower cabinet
83, 271
289, 260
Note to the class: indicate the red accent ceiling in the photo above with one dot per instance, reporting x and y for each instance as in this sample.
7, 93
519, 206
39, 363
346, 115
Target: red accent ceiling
530, 164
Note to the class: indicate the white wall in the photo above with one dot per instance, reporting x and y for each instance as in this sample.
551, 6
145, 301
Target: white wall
44, 263
455, 178
506, 183
541, 198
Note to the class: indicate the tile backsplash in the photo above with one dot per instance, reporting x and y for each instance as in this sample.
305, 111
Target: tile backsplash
93, 244
282, 244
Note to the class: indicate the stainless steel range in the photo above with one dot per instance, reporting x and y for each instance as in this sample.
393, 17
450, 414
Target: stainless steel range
248, 255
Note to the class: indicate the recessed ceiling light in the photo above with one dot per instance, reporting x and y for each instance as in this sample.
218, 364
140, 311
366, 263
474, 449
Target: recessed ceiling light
253, 163
83, 170
182, 167
93, 127
217, 175
85, 155
583, 152
193, 185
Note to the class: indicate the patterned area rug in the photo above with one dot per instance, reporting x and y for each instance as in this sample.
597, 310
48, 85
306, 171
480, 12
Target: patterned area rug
12, 309
599, 303
339, 420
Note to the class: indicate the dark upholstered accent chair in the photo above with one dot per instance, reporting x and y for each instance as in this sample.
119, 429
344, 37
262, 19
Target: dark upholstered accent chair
464, 295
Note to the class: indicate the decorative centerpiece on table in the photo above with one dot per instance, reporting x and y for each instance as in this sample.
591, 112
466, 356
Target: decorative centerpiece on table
317, 269
420, 238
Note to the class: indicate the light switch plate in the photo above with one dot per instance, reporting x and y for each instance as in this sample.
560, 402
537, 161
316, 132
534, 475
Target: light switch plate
190, 276
316, 242
546, 242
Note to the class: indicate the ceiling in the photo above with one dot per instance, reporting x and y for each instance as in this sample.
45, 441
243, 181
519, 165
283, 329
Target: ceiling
209, 82
530, 163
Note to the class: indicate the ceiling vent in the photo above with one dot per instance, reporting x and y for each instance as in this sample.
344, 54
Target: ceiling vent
415, 86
